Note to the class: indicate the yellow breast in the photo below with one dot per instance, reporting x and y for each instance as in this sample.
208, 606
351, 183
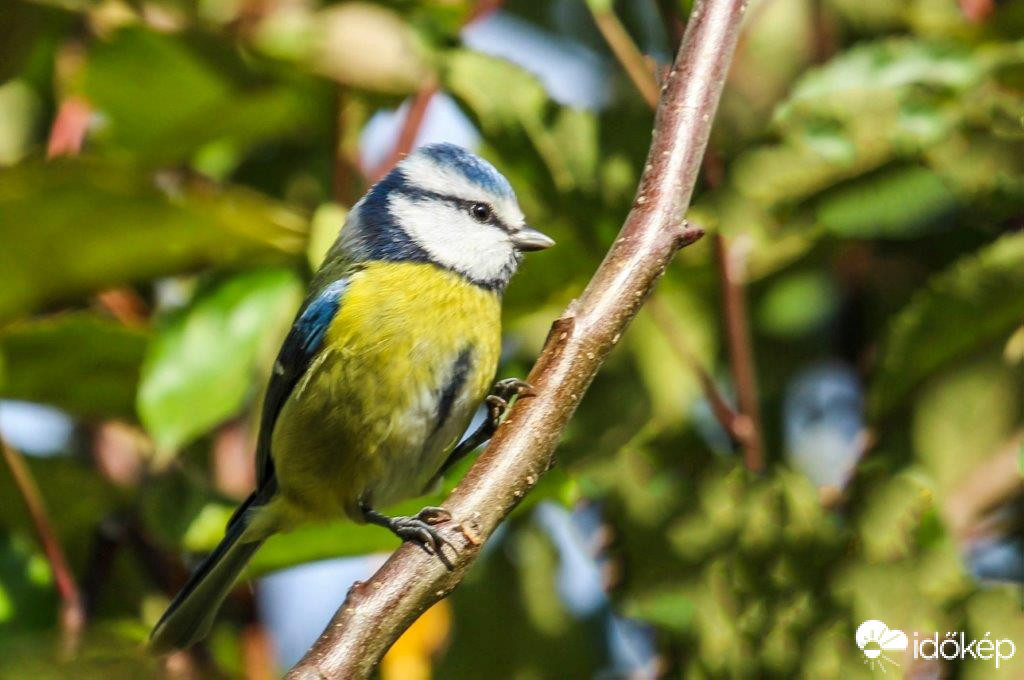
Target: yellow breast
363, 422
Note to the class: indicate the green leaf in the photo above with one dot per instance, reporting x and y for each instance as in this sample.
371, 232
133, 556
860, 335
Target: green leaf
974, 302
499, 93
896, 203
671, 608
884, 65
134, 77
27, 598
323, 231
318, 542
201, 366
85, 364
508, 101
876, 102
671, 383
797, 303
962, 416
58, 222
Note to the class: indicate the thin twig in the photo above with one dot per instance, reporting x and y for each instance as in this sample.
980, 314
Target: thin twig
996, 481
410, 130
823, 32
732, 274
421, 101
376, 612
72, 612
344, 172
481, 10
125, 305
257, 653
626, 51
732, 265
977, 11
735, 424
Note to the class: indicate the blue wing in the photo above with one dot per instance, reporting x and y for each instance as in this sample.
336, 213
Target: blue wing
300, 347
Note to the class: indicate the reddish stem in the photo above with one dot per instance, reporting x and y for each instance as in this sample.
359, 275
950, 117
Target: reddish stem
410, 130
72, 613
732, 273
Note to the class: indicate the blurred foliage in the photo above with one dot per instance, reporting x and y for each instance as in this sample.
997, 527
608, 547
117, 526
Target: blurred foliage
868, 156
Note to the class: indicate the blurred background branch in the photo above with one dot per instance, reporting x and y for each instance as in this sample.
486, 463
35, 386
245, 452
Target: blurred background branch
72, 611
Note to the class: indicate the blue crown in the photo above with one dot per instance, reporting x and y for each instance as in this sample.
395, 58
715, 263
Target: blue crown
469, 165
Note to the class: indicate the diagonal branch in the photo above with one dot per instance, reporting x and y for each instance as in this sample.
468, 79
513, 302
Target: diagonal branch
376, 612
740, 426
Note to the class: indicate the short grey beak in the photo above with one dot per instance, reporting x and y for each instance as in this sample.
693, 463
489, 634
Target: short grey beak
527, 239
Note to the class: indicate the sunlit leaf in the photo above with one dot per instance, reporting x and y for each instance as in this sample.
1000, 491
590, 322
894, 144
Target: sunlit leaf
202, 363
71, 227
164, 96
797, 303
963, 417
973, 302
898, 203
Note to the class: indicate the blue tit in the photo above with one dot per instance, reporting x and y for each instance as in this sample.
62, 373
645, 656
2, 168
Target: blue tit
390, 355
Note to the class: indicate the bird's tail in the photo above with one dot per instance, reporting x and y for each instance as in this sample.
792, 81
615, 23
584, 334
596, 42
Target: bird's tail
191, 613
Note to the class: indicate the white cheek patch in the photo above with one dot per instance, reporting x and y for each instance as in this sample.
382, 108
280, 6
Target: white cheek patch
453, 239
423, 172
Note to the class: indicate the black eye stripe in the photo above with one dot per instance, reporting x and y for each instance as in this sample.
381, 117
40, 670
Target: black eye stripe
460, 203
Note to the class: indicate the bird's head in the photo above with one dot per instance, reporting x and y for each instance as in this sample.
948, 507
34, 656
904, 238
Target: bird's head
447, 206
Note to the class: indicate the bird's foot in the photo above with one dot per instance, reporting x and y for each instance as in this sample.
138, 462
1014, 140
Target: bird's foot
512, 387
419, 529
501, 394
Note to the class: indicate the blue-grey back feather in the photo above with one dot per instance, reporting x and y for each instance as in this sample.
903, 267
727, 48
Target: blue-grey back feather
298, 350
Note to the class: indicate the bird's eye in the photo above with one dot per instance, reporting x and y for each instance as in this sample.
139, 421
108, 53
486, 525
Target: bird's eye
481, 212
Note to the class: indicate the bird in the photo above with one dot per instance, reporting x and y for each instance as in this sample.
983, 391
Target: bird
390, 355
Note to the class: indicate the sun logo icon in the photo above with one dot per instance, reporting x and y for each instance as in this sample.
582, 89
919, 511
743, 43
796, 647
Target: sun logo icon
875, 638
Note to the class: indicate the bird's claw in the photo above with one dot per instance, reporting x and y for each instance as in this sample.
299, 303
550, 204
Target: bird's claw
433, 515
420, 530
501, 394
512, 387
496, 407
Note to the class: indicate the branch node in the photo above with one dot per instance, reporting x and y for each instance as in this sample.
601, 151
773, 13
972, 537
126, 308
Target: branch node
689, 234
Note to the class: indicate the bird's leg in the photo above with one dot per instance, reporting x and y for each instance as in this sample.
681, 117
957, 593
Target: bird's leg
497, 404
418, 528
